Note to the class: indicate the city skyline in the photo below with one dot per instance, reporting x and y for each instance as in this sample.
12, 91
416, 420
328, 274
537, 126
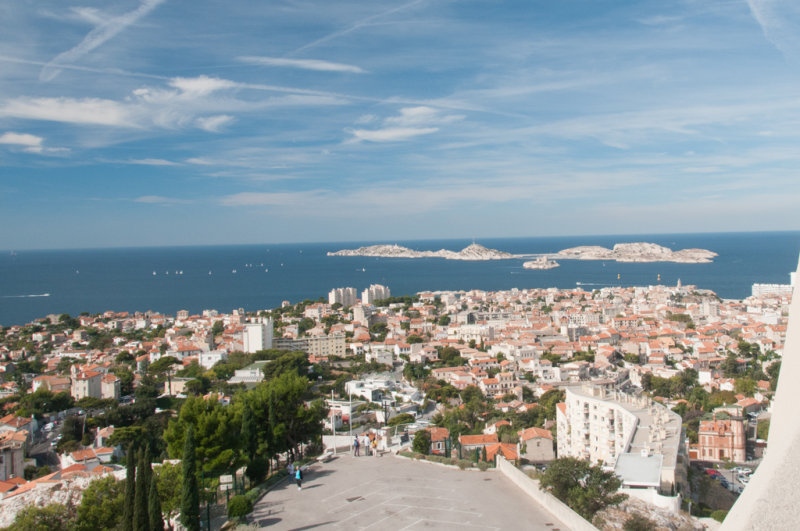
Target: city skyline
138, 123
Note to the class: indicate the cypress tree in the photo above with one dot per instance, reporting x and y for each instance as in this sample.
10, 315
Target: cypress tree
130, 486
190, 502
141, 520
249, 435
154, 507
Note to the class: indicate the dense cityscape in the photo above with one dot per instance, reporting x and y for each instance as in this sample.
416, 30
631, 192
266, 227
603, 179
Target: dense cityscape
666, 388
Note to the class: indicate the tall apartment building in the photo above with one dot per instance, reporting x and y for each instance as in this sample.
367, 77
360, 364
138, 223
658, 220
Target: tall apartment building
638, 438
374, 293
257, 336
344, 296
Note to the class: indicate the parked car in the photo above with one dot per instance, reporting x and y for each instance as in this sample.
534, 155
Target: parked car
744, 480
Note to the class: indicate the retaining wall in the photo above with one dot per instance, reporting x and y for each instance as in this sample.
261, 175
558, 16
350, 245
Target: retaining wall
556, 507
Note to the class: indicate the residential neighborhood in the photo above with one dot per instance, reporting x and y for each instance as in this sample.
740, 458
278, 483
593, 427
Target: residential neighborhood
649, 382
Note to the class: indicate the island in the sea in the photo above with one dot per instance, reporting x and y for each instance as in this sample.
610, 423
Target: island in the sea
471, 252
540, 263
637, 252
621, 252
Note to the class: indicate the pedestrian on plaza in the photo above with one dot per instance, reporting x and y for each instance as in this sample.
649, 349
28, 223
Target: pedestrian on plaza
375, 446
355, 446
298, 476
290, 469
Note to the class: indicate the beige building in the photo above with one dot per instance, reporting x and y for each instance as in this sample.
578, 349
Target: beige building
12, 458
110, 387
85, 384
332, 345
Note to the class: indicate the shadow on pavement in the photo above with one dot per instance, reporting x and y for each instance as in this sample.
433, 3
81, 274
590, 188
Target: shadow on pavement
265, 522
311, 526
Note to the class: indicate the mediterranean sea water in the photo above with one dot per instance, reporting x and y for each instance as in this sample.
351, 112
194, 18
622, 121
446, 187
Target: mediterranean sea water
254, 277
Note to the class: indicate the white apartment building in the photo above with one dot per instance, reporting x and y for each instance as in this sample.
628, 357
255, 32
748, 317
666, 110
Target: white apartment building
257, 336
374, 293
638, 438
344, 296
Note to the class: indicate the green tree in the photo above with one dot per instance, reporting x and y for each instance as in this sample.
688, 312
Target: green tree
214, 430
422, 442
190, 502
101, 505
249, 435
141, 520
154, 507
130, 491
585, 488
413, 338
444, 320
168, 478
217, 328
402, 418
296, 362
53, 517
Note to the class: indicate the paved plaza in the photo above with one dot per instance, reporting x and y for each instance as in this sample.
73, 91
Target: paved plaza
394, 493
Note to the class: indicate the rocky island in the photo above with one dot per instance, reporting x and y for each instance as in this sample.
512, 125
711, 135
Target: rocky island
471, 252
540, 263
637, 252
622, 252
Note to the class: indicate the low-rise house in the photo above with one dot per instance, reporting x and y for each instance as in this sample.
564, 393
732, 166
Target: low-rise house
536, 445
476, 442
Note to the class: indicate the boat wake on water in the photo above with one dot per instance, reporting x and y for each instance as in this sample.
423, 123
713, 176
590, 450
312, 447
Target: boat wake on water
25, 296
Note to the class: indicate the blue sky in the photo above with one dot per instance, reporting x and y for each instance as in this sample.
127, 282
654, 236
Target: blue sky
163, 122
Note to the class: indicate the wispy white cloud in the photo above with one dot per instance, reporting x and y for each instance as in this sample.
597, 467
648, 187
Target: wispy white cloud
287, 199
21, 139
411, 122
160, 200
391, 134
29, 143
200, 85
151, 162
213, 124
355, 26
105, 30
780, 22
95, 111
200, 161
305, 64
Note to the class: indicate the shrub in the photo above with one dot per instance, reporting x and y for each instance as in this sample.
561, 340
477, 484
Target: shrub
638, 522
483, 466
719, 515
239, 506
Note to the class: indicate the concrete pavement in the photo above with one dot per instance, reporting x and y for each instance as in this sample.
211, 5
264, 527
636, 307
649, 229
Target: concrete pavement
394, 493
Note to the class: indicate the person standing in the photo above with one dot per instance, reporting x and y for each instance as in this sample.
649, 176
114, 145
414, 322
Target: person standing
298, 476
355, 446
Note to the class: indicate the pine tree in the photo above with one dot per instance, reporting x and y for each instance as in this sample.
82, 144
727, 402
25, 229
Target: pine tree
130, 487
154, 507
141, 520
190, 503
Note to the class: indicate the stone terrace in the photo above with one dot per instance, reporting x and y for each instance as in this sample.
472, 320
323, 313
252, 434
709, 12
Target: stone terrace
395, 493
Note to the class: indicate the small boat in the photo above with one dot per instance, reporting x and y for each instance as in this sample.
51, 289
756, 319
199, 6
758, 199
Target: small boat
266, 271
154, 273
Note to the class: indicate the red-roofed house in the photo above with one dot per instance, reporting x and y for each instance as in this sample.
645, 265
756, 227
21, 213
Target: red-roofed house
537, 445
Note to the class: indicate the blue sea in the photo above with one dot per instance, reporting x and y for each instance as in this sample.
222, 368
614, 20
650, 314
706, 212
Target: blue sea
254, 277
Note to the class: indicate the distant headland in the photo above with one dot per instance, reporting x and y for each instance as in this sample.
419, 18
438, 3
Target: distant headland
621, 252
